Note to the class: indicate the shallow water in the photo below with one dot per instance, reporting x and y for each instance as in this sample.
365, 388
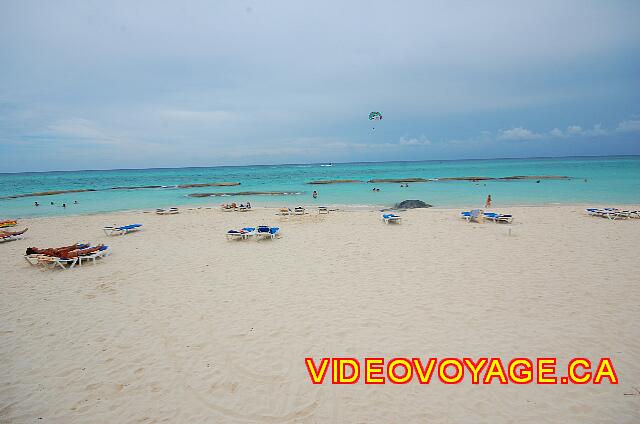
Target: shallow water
609, 180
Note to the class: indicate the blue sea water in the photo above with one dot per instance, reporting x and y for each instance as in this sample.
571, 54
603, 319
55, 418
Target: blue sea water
609, 180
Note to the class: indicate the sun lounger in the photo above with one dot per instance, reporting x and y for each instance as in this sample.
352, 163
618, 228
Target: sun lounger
52, 262
611, 213
285, 211
120, 231
264, 231
299, 211
169, 211
474, 215
506, 218
242, 234
104, 251
8, 223
12, 237
492, 216
389, 218
323, 209
498, 217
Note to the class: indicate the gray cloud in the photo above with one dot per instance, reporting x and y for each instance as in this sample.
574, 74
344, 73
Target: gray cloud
210, 83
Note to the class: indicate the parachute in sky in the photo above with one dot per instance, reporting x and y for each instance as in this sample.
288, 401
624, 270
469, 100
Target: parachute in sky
375, 116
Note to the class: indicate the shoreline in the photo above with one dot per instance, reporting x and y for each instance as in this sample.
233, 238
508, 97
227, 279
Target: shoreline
338, 206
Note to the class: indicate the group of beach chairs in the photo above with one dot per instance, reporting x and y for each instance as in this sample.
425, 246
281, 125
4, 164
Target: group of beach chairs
6, 235
170, 211
69, 257
478, 215
233, 207
302, 211
259, 232
613, 213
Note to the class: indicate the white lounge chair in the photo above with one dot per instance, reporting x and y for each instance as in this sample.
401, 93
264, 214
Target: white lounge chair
120, 231
498, 217
506, 218
474, 215
323, 209
299, 211
51, 261
389, 218
243, 234
12, 237
611, 213
169, 211
264, 231
66, 263
104, 251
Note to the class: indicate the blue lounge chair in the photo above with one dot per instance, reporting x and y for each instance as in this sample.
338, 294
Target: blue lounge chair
102, 252
264, 231
502, 217
388, 218
243, 234
611, 213
473, 215
120, 231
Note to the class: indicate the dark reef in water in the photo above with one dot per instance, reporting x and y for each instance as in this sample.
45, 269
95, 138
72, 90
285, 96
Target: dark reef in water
334, 181
515, 177
412, 204
243, 193
398, 180
47, 193
83, 190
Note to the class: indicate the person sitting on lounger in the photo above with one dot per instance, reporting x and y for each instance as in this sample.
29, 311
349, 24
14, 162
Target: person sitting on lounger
67, 252
5, 233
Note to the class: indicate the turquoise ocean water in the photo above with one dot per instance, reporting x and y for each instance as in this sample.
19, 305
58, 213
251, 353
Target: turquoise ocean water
614, 179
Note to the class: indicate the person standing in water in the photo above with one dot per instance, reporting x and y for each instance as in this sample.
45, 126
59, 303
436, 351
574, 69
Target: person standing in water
487, 204
315, 194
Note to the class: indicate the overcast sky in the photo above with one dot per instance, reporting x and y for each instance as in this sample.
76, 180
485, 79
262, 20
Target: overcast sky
136, 84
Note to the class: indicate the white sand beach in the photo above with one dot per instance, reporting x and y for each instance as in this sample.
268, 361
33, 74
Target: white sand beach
180, 325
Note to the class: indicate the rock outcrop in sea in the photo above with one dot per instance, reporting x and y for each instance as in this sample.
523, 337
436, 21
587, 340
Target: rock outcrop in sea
412, 204
334, 181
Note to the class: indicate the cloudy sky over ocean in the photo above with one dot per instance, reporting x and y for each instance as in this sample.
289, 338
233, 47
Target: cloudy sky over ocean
119, 84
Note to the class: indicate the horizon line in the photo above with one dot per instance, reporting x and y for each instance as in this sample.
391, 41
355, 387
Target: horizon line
318, 163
